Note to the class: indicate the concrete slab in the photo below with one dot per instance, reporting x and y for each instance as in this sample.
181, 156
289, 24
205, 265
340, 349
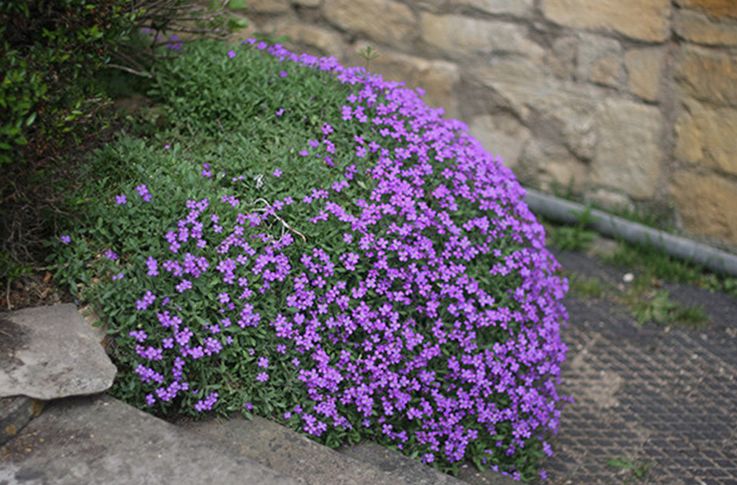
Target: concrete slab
101, 440
51, 352
295, 455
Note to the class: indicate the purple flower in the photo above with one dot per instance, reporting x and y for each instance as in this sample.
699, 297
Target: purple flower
146, 301
283, 74
110, 254
121, 199
207, 403
152, 266
393, 324
118, 276
174, 43
65, 239
144, 193
231, 54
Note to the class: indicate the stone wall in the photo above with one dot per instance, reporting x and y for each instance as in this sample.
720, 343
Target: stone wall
629, 104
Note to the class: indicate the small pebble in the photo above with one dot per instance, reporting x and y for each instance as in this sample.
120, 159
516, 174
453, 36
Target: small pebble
628, 277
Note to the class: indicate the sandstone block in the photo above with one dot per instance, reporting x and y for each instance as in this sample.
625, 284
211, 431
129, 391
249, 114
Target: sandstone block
708, 75
628, 153
715, 8
610, 199
501, 135
268, 6
705, 204
383, 21
457, 35
599, 60
697, 27
551, 166
562, 59
438, 78
638, 19
644, 71
556, 111
314, 39
431, 5
519, 8
707, 136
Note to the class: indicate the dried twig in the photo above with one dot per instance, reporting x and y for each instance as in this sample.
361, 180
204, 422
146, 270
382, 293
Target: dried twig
130, 70
278, 218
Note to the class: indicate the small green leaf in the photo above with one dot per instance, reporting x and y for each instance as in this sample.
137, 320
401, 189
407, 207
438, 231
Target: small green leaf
237, 5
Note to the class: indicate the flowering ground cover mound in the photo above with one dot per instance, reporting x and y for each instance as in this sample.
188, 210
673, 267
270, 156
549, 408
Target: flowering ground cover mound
314, 244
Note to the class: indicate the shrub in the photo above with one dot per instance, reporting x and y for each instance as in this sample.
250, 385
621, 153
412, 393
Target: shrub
316, 245
49, 50
52, 53
61, 62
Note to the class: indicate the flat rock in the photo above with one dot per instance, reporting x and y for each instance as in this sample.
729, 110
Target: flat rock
51, 352
15, 413
102, 440
295, 455
412, 471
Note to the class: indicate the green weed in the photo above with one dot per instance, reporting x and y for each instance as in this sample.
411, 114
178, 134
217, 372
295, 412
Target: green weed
584, 287
573, 238
637, 470
659, 308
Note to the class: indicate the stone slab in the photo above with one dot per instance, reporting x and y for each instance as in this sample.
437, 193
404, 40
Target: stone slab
102, 440
294, 455
51, 352
15, 413
412, 471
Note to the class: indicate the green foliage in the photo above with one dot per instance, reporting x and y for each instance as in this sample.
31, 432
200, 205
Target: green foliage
243, 115
64, 64
47, 54
654, 264
583, 287
52, 53
573, 238
637, 470
368, 54
657, 307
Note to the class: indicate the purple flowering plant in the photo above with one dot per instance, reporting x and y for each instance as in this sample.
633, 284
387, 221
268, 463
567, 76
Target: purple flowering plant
357, 267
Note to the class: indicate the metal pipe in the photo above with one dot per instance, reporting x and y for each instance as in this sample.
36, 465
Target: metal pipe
561, 210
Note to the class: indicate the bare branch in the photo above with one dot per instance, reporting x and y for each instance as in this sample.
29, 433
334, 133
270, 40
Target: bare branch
129, 70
